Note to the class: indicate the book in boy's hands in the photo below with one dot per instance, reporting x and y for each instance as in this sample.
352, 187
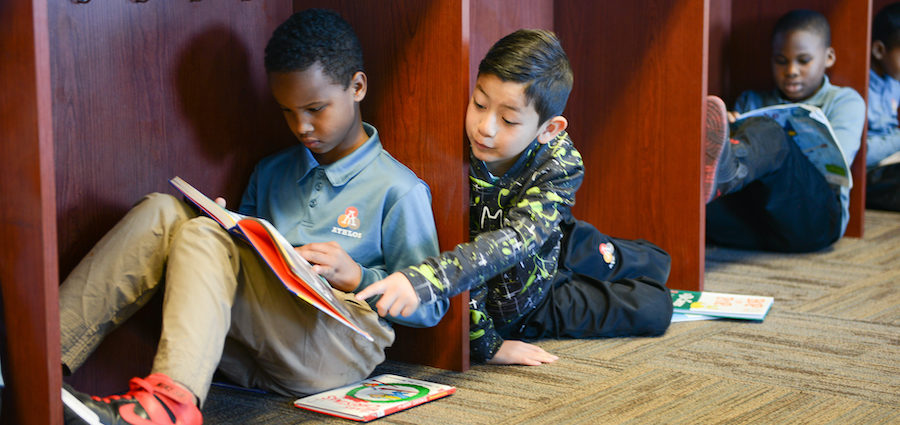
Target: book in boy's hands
293, 270
733, 306
809, 128
374, 397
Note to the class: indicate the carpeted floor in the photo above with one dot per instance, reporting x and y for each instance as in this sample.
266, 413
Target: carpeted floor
828, 353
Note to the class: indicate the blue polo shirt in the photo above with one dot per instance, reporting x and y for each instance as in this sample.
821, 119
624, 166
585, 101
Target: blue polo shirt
845, 110
372, 205
883, 138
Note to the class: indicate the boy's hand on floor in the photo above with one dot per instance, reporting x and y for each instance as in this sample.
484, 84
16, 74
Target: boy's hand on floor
398, 298
330, 261
523, 353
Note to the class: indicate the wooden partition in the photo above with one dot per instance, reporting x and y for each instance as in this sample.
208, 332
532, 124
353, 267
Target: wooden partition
740, 59
636, 115
28, 271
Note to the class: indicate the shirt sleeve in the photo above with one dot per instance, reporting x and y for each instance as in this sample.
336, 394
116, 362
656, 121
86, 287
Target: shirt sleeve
526, 228
847, 115
484, 340
408, 237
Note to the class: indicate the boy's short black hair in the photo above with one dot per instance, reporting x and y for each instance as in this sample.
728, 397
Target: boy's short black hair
315, 35
886, 27
536, 59
802, 19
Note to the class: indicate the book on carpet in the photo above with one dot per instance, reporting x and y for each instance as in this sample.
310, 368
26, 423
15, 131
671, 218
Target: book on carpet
810, 129
733, 306
686, 317
374, 397
293, 270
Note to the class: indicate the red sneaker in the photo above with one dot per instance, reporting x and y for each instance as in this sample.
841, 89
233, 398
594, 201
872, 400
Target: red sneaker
154, 400
716, 136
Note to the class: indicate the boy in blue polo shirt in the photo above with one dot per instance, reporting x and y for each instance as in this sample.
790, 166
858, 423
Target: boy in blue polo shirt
883, 138
531, 269
762, 191
354, 212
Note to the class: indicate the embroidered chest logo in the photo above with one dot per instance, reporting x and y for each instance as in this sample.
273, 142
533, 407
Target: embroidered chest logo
609, 254
348, 222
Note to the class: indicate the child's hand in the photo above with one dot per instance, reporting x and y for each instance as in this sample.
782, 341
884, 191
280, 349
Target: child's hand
523, 353
732, 116
398, 298
221, 201
333, 263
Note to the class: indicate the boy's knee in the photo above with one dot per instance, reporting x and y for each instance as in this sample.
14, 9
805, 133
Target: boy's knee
659, 263
203, 226
163, 204
660, 312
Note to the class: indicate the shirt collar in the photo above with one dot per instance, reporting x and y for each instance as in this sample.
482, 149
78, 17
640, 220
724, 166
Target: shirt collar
342, 170
877, 82
482, 171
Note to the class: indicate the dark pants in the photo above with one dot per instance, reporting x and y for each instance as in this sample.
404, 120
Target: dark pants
883, 188
788, 207
621, 295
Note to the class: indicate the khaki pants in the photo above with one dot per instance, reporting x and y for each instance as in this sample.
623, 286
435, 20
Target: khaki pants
222, 307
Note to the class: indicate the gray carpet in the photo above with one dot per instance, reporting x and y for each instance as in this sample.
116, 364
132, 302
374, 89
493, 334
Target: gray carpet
828, 353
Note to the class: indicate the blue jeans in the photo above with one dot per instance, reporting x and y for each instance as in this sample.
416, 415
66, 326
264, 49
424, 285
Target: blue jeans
784, 206
883, 188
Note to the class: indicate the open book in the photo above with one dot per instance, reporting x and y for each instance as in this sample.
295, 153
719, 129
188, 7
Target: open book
374, 397
293, 270
733, 306
809, 128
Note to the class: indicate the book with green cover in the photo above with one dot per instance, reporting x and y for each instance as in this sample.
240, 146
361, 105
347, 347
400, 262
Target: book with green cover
734, 306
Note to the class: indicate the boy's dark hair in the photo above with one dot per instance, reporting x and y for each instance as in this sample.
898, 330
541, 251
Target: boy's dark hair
536, 59
315, 35
802, 19
886, 27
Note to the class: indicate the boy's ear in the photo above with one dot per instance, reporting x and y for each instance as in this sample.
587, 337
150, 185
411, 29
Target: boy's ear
830, 57
359, 85
552, 128
878, 49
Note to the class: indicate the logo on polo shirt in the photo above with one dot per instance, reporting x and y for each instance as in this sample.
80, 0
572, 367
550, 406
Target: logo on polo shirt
348, 222
609, 254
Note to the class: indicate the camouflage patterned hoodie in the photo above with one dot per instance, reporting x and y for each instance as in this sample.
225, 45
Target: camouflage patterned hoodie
514, 233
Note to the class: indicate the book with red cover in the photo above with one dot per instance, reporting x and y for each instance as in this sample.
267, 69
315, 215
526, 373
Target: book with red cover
293, 270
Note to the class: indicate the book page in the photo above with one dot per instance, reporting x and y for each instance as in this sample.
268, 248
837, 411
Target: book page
279, 254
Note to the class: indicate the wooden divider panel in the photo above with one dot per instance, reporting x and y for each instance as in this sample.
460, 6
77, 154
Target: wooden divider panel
636, 116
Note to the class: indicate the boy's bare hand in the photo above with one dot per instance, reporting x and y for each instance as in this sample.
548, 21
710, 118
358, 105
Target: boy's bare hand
523, 353
221, 201
333, 263
732, 116
398, 298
